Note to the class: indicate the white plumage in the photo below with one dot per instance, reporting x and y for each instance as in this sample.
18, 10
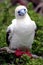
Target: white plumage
22, 29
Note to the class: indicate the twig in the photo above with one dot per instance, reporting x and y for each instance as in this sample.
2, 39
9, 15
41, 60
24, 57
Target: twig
36, 56
7, 49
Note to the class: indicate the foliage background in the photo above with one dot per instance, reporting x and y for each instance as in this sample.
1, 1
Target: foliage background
6, 16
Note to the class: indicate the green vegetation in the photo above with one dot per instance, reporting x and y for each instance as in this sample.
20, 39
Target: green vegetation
6, 16
24, 60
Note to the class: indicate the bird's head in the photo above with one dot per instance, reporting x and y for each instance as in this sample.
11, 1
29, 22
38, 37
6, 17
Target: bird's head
20, 11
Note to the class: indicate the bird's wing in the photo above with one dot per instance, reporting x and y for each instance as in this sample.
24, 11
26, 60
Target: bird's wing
34, 25
10, 31
13, 21
9, 34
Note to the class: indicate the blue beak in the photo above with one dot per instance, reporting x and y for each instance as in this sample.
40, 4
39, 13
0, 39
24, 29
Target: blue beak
22, 12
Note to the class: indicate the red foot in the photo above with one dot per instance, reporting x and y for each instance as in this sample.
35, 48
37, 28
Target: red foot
19, 53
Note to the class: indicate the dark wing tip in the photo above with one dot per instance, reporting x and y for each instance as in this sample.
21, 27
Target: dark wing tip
7, 35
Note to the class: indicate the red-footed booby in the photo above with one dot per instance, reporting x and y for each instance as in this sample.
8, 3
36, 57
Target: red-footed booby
21, 32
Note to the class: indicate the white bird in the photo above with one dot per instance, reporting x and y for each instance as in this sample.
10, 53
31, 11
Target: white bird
20, 33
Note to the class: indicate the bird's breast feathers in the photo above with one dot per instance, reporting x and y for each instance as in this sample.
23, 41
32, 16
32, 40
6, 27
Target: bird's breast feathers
23, 32
24, 27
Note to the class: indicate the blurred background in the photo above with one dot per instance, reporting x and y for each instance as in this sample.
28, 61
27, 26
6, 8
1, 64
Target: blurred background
37, 4
35, 10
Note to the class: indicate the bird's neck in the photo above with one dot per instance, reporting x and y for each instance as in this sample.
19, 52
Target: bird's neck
25, 18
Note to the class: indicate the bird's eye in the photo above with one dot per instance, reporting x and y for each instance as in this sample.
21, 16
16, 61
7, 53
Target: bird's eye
18, 11
24, 9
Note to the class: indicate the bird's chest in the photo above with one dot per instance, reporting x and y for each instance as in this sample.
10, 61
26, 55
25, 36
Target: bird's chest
23, 29
21, 35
